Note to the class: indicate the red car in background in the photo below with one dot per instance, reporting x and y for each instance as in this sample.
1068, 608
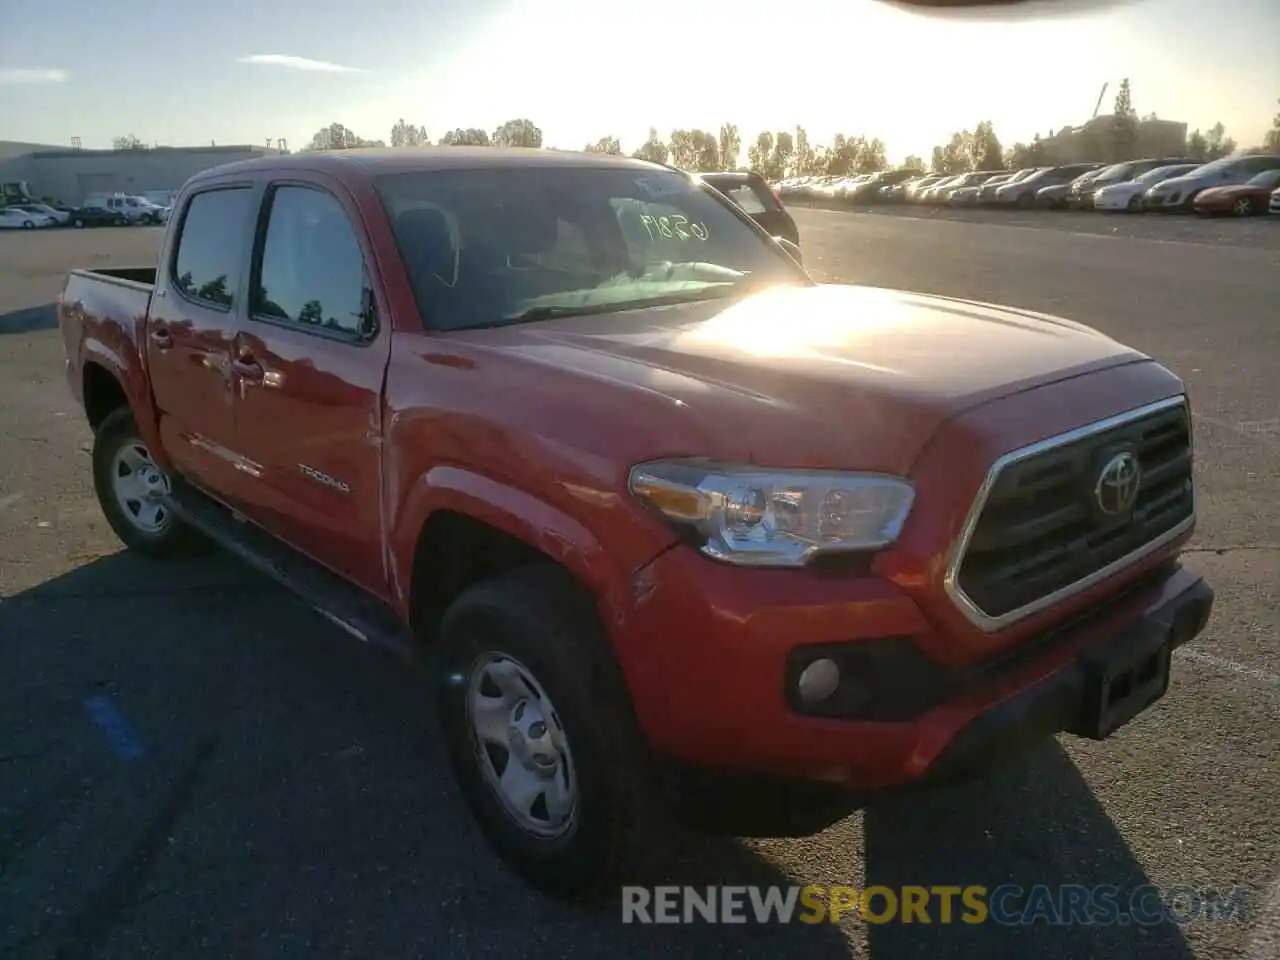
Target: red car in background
1248, 199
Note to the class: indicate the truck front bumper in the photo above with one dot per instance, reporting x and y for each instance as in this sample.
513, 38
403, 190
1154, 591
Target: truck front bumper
1108, 682
712, 672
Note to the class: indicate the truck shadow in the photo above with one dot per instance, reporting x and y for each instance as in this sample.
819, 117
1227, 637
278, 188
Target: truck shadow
1033, 823
285, 794
280, 792
29, 319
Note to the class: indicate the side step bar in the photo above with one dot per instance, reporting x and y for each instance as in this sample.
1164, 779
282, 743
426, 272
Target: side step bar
364, 617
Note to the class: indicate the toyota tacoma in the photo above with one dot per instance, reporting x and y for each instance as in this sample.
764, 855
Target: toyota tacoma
583, 440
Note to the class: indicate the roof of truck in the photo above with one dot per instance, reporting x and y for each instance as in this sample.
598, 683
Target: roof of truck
374, 161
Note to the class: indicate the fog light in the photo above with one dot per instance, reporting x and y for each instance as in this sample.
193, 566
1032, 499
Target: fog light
818, 680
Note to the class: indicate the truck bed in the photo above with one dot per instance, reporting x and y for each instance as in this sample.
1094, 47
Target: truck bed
126, 276
94, 299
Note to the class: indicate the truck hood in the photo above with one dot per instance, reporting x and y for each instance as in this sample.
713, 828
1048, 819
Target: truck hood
826, 375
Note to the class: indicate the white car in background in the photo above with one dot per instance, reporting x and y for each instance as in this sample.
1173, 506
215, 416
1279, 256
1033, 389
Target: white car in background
967, 196
17, 218
1128, 195
60, 217
1179, 193
987, 192
1273, 208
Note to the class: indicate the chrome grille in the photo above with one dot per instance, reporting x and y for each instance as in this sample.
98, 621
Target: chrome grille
1037, 534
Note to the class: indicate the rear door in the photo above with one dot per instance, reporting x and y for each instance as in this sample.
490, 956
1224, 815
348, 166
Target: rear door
308, 368
191, 325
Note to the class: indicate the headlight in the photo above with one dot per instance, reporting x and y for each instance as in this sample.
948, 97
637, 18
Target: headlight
781, 518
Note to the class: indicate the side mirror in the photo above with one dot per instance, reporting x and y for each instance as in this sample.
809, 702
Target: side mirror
792, 250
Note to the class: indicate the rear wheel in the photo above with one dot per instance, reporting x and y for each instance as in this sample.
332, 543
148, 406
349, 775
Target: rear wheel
1135, 204
1243, 207
131, 489
540, 733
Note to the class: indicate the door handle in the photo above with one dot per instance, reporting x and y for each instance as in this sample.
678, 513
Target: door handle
246, 368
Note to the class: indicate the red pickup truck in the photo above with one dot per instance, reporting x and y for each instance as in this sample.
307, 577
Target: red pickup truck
650, 499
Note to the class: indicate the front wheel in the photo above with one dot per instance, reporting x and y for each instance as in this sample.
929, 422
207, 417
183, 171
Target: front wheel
1243, 207
540, 733
131, 490
1135, 204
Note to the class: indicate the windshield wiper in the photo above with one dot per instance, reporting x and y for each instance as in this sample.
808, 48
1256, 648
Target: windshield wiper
552, 312
715, 291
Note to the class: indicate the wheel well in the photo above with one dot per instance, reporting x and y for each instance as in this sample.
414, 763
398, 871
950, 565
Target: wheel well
102, 394
455, 551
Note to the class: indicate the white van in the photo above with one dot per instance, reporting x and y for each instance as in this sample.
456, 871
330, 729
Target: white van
134, 209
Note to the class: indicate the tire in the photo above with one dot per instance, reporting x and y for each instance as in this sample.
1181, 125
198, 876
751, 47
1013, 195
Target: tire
1135, 204
116, 448
1026, 201
1243, 207
77, 223
538, 631
28, 225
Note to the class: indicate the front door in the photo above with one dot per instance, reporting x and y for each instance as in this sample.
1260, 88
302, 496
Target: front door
309, 364
192, 324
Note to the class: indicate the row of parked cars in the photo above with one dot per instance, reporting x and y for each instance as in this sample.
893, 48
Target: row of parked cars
101, 210
1241, 186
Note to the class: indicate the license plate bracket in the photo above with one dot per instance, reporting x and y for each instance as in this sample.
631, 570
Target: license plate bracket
1122, 680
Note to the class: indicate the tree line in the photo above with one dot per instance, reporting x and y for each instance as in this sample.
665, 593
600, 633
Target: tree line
776, 154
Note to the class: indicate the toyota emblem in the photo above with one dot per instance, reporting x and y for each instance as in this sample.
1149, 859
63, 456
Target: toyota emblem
1117, 488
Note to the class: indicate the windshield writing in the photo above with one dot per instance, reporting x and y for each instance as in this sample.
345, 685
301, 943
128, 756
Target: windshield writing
487, 246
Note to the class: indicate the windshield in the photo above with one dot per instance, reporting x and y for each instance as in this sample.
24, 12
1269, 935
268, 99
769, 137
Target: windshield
1114, 172
1214, 166
1163, 173
484, 247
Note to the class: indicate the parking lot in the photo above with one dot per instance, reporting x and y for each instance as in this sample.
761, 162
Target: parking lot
193, 764
1255, 232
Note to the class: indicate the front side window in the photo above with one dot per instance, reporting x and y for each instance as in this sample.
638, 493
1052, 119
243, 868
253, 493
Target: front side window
212, 244
311, 271
485, 247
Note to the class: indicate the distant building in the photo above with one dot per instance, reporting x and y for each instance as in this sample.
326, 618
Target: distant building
71, 175
1156, 138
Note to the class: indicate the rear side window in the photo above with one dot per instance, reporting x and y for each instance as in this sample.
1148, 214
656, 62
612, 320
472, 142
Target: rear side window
312, 270
212, 244
746, 198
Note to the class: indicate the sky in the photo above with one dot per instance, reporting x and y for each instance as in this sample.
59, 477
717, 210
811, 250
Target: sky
188, 72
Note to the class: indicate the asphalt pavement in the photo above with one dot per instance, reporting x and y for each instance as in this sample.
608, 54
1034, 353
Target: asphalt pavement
194, 764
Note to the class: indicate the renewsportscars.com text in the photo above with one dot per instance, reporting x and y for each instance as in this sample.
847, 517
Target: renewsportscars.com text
1007, 905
